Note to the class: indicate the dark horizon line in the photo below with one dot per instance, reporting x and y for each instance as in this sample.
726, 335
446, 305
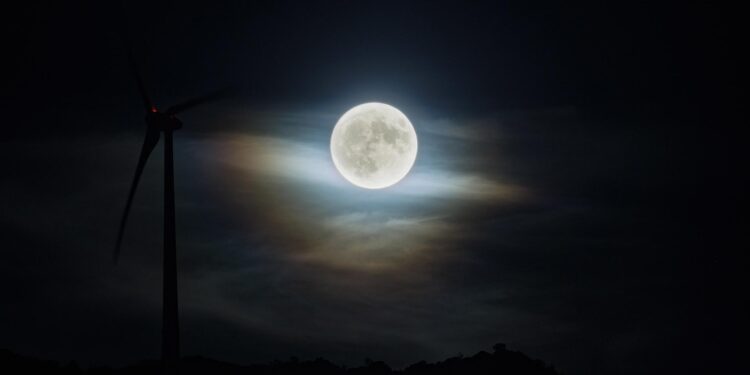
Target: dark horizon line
500, 358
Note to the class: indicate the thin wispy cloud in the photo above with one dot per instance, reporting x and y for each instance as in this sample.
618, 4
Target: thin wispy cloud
292, 192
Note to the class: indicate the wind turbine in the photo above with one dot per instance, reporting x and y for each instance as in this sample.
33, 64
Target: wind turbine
166, 122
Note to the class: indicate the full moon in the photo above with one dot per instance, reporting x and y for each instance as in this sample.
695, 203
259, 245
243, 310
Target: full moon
373, 145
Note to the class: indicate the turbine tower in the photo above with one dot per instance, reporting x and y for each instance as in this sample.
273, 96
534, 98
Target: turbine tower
166, 122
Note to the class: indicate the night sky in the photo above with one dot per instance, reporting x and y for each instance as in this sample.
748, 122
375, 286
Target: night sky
576, 194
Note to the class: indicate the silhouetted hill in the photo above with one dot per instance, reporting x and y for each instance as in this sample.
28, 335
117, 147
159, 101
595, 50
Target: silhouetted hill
501, 361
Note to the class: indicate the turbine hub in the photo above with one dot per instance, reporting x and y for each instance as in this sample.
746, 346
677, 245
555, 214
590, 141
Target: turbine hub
162, 121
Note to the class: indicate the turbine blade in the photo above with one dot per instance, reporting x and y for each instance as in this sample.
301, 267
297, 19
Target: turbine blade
148, 105
216, 95
149, 142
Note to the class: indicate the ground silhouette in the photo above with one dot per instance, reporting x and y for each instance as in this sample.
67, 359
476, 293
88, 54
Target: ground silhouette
501, 361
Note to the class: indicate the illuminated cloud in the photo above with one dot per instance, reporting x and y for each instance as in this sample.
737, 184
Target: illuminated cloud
289, 190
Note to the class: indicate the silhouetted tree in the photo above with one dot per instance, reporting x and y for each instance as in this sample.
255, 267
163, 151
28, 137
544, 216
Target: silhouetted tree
501, 361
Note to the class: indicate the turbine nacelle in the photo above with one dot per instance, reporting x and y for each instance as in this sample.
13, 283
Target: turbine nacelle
162, 121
